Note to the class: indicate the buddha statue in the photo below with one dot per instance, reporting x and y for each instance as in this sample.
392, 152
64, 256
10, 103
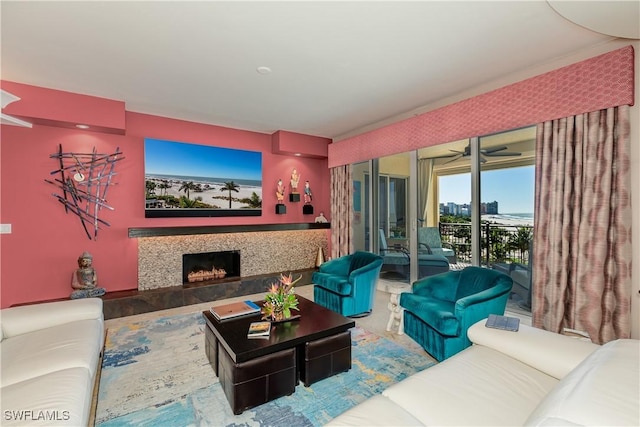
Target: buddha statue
85, 279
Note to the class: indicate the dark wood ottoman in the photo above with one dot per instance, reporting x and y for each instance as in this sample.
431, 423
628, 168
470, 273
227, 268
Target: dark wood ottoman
254, 371
211, 349
257, 381
326, 357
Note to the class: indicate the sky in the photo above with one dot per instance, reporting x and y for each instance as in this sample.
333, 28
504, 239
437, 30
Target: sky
177, 158
512, 188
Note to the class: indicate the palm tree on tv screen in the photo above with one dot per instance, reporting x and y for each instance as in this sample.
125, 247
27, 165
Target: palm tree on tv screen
186, 202
253, 202
150, 188
164, 186
230, 186
187, 187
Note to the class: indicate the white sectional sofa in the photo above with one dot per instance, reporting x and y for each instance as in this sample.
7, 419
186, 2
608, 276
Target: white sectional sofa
530, 377
50, 356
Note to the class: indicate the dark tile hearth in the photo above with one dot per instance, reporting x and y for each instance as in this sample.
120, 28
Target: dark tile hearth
127, 303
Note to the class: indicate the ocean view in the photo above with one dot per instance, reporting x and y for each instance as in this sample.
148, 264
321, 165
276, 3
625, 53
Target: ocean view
205, 179
212, 191
512, 219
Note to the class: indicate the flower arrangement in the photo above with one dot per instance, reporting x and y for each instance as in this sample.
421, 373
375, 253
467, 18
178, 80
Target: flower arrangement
281, 299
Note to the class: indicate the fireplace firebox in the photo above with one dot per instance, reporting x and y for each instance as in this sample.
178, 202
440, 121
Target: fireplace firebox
210, 267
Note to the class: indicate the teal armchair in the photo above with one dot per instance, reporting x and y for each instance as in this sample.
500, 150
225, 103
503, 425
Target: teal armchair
347, 284
442, 307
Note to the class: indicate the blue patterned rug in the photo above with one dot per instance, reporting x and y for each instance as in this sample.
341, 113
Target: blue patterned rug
156, 373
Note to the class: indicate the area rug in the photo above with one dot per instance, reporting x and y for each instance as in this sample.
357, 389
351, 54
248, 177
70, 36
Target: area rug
156, 373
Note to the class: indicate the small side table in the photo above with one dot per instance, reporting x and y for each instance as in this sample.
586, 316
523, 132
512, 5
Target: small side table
396, 313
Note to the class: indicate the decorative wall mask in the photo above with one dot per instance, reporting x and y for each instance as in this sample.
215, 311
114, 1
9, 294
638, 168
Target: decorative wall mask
84, 179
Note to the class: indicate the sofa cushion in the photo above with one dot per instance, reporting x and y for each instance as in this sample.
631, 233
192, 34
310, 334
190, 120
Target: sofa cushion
27, 318
436, 313
336, 284
396, 258
377, 411
58, 398
603, 390
551, 353
478, 386
70, 345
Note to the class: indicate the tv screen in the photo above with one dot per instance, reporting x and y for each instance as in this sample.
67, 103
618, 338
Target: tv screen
193, 180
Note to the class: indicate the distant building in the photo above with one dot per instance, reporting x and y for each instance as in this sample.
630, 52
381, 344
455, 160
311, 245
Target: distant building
451, 208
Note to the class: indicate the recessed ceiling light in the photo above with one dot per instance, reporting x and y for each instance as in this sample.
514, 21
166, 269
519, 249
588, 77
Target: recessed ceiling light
82, 126
263, 70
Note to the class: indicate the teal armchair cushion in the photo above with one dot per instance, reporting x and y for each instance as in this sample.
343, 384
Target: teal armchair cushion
437, 313
442, 307
347, 284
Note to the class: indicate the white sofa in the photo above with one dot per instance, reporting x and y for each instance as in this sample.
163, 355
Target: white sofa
530, 377
50, 355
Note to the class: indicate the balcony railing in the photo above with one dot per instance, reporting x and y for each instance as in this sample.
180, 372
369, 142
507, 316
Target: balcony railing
499, 243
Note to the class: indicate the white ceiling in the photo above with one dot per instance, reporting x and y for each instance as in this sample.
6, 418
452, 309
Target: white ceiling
336, 66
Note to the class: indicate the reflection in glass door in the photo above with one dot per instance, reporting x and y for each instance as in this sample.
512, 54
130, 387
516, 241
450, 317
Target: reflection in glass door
361, 217
392, 222
444, 206
507, 187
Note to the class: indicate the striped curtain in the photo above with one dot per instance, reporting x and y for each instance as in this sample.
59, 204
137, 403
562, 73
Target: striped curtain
582, 251
341, 211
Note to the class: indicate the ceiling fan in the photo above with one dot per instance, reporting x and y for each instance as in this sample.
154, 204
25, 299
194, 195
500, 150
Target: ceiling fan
484, 152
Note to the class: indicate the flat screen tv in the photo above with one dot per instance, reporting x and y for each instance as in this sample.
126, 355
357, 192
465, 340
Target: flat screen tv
194, 180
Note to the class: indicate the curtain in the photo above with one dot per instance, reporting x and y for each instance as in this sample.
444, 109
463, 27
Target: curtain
341, 211
425, 178
400, 197
582, 251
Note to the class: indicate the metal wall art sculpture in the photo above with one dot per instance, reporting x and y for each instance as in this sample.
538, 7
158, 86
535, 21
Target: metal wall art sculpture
84, 179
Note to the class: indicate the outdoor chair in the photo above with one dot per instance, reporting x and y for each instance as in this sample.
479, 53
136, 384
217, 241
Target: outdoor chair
442, 307
397, 259
522, 278
430, 241
347, 284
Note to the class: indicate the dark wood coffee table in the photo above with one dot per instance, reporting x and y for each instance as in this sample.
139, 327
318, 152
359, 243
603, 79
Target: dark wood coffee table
254, 371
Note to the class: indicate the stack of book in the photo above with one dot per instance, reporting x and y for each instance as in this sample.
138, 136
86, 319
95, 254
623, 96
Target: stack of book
259, 330
234, 309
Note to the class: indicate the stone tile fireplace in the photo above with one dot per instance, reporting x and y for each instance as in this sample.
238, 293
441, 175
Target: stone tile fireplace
266, 251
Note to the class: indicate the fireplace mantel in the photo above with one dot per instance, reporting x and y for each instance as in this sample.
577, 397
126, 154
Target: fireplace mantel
216, 229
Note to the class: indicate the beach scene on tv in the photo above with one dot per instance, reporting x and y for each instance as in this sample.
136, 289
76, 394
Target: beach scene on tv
192, 176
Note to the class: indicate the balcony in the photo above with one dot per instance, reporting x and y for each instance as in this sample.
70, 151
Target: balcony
506, 248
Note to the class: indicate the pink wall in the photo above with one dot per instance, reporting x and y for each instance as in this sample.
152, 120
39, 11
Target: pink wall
65, 109
39, 256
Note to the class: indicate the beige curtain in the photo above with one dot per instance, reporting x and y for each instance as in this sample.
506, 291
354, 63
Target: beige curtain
341, 211
425, 193
582, 251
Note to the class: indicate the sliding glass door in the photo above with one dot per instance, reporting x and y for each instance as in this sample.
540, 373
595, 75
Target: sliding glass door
361, 212
507, 187
440, 208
